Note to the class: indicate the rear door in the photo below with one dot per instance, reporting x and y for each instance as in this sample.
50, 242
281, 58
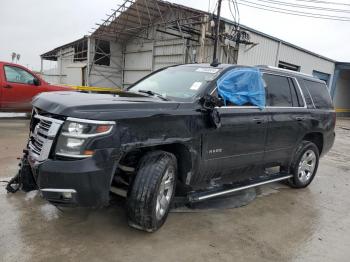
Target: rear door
287, 115
18, 88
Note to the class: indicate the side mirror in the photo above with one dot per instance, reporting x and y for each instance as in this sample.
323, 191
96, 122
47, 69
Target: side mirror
209, 102
36, 82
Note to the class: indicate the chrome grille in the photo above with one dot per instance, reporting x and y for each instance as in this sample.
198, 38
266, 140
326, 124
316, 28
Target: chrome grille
42, 136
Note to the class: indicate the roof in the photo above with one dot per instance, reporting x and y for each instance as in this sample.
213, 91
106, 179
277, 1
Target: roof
135, 15
288, 72
265, 67
52, 54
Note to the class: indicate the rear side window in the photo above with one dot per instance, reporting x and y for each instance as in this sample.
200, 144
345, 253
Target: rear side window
319, 93
278, 91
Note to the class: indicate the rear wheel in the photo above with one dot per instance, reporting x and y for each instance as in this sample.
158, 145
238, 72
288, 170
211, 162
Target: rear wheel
305, 165
152, 191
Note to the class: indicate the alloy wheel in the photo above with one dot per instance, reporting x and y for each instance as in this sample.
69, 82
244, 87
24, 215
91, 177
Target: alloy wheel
165, 192
307, 166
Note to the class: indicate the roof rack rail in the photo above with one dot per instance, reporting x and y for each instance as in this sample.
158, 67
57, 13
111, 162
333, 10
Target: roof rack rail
285, 70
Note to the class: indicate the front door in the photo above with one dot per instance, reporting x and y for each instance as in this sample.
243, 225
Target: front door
235, 151
18, 89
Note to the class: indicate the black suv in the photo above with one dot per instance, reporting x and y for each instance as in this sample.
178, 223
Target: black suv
171, 135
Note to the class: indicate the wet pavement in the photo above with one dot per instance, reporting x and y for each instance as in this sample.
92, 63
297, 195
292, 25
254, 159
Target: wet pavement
281, 224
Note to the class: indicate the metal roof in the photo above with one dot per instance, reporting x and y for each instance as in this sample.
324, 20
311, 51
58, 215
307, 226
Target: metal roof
52, 55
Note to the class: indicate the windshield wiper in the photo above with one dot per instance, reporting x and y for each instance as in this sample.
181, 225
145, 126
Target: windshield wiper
151, 93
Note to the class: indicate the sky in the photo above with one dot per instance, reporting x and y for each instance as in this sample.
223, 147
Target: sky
33, 27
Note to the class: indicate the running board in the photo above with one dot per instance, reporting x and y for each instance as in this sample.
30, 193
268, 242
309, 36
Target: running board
228, 189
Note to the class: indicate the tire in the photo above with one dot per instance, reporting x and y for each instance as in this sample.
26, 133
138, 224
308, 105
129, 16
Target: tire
152, 191
304, 165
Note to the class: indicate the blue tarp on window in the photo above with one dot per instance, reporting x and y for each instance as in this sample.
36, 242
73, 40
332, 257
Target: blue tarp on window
241, 86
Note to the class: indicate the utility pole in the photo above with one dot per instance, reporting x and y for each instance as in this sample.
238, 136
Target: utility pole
217, 31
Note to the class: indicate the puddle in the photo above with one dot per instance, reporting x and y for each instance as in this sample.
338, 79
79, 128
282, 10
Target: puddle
49, 212
235, 200
31, 195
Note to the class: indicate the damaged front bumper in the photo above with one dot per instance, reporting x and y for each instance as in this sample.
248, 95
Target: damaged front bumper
83, 182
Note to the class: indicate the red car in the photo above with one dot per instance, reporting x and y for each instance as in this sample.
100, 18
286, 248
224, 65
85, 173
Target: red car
18, 85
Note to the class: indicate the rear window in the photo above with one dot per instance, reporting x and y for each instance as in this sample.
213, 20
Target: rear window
320, 94
278, 91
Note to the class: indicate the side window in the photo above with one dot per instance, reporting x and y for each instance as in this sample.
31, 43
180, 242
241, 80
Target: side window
296, 92
278, 91
17, 75
294, 95
320, 94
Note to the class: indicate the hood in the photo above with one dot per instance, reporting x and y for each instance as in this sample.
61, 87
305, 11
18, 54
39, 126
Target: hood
102, 106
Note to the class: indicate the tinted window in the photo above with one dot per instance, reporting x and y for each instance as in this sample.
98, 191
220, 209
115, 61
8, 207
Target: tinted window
296, 90
293, 93
306, 94
18, 75
278, 91
320, 94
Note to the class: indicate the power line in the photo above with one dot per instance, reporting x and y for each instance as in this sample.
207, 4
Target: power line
236, 6
233, 15
324, 2
301, 12
231, 5
290, 12
306, 6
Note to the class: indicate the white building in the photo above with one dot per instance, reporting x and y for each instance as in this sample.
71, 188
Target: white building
145, 35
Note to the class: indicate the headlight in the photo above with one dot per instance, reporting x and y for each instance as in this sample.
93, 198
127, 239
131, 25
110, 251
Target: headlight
76, 133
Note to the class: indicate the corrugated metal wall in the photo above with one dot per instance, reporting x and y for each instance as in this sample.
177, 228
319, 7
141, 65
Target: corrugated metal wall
264, 53
107, 76
168, 52
269, 52
137, 61
306, 61
143, 57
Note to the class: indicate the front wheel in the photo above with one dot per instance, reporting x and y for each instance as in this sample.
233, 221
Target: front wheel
305, 164
152, 191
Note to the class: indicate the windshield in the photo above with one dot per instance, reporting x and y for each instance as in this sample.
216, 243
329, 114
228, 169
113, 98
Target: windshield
180, 83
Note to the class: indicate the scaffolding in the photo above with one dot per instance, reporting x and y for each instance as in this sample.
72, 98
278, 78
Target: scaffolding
148, 21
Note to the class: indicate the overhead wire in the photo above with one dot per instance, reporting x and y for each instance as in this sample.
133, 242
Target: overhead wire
292, 12
324, 2
237, 8
305, 6
233, 13
301, 12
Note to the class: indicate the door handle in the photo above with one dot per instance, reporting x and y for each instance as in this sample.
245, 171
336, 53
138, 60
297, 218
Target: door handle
300, 118
7, 86
258, 120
